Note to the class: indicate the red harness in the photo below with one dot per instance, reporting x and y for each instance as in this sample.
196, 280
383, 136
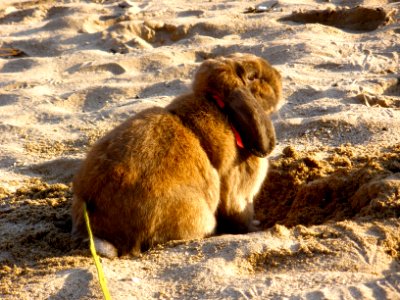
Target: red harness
221, 104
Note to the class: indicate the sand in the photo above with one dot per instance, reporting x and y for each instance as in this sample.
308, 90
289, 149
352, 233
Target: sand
71, 70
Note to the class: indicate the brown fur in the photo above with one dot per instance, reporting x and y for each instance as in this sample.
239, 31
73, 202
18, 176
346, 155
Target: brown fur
172, 173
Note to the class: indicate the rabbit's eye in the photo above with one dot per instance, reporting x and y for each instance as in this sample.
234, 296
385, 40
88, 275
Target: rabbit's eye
251, 76
240, 71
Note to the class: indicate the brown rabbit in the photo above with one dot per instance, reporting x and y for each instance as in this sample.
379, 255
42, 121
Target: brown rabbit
187, 170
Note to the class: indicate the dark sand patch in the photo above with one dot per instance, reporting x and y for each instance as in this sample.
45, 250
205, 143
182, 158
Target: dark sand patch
358, 18
46, 148
35, 240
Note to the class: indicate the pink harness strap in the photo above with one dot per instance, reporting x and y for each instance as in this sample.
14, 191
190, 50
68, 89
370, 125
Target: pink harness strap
221, 104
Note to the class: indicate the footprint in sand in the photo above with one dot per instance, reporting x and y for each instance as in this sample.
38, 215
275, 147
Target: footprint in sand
168, 88
18, 65
127, 35
59, 11
339, 67
8, 99
60, 169
383, 94
113, 68
94, 99
393, 88
19, 16
34, 48
308, 102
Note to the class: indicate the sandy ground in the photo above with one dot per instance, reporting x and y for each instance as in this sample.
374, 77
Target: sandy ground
70, 70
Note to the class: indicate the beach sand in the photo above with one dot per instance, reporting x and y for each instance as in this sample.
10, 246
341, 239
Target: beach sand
71, 70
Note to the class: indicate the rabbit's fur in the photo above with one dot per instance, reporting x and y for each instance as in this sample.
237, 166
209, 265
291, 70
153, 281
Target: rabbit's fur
177, 172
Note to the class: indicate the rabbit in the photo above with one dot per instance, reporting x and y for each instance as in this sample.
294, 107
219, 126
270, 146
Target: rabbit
186, 171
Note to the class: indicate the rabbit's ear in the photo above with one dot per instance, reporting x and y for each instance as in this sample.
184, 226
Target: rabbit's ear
250, 121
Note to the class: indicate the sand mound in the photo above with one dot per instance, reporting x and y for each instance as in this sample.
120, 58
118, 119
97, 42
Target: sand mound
358, 18
305, 188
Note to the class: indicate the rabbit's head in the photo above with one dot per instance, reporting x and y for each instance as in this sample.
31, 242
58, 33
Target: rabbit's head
247, 89
262, 79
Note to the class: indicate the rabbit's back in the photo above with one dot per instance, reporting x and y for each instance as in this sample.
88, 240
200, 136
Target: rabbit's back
147, 181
